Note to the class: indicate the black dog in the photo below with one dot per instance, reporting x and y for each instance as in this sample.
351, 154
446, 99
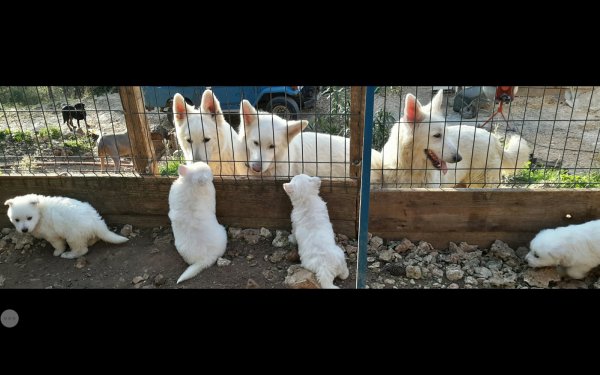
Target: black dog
76, 112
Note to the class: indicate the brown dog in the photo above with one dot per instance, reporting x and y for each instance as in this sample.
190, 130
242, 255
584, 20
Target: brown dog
117, 145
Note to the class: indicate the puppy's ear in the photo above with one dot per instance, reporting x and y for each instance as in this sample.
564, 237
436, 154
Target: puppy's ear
210, 103
8, 202
289, 188
247, 113
182, 170
316, 181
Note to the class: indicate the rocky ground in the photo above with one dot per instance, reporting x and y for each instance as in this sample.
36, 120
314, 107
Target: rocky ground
260, 258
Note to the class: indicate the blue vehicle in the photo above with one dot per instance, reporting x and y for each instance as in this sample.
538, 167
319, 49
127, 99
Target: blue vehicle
285, 101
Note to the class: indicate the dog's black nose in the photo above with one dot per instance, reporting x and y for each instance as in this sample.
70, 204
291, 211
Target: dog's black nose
457, 158
24, 230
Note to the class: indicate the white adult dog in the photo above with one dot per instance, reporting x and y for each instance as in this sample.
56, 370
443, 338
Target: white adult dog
60, 221
199, 238
420, 147
278, 148
575, 247
204, 135
313, 231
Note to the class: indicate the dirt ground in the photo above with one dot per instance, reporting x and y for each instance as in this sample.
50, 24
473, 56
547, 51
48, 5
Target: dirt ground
148, 260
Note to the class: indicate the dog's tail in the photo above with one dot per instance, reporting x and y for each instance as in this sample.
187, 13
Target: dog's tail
108, 236
191, 271
516, 154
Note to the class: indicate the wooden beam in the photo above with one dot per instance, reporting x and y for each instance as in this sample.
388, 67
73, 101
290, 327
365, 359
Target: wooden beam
357, 112
478, 216
143, 202
138, 130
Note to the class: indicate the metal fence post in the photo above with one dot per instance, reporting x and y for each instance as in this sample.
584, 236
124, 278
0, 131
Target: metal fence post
365, 187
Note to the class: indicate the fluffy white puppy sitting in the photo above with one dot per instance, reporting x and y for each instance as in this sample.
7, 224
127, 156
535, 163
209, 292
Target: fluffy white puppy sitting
60, 221
199, 238
574, 247
313, 231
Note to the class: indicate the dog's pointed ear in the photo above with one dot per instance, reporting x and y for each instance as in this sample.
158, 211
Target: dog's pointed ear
436, 102
182, 170
289, 188
210, 103
316, 181
295, 127
180, 108
247, 113
8, 202
412, 109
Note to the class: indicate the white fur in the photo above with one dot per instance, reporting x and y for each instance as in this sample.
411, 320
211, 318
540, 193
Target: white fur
204, 135
278, 148
575, 247
481, 158
60, 219
199, 238
313, 231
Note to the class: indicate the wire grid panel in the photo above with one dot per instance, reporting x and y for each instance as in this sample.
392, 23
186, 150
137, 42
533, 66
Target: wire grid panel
476, 137
553, 132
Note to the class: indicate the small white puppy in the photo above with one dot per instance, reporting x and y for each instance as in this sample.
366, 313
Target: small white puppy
60, 221
574, 247
313, 231
199, 238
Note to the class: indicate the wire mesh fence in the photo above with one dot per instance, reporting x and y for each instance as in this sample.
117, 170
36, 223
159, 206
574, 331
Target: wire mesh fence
483, 136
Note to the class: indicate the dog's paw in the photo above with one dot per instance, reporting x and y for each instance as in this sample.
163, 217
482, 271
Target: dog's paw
70, 255
57, 252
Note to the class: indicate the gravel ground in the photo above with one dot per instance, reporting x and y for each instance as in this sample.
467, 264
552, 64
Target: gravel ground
260, 258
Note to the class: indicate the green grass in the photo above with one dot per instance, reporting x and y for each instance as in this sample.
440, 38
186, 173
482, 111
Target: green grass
51, 132
78, 146
4, 134
556, 178
170, 169
22, 136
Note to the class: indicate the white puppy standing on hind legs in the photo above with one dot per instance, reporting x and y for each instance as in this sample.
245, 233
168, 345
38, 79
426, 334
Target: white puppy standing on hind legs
60, 221
199, 238
313, 231
575, 247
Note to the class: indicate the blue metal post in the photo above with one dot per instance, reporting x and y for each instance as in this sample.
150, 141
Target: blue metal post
365, 187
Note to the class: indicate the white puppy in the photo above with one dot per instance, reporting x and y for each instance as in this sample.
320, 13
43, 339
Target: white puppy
60, 219
313, 231
574, 247
199, 238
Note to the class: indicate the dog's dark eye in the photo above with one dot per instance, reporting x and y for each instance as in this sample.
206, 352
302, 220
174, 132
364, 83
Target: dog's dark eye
28, 217
272, 146
536, 255
256, 143
189, 140
438, 135
17, 220
206, 140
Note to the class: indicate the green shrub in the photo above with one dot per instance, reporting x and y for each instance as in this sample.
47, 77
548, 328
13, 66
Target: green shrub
50, 133
556, 178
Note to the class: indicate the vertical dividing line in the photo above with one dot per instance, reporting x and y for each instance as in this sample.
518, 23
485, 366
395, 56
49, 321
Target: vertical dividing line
365, 187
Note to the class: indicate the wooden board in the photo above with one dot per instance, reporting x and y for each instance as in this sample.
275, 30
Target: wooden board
143, 201
478, 216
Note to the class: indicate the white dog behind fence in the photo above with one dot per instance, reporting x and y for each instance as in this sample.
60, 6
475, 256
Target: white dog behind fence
575, 247
279, 148
204, 135
420, 147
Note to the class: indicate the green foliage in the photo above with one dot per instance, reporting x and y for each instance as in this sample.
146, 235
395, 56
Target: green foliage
171, 166
4, 134
52, 132
78, 146
556, 178
22, 136
382, 124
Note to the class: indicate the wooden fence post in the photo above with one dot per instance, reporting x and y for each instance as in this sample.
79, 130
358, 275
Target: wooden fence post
137, 128
357, 122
